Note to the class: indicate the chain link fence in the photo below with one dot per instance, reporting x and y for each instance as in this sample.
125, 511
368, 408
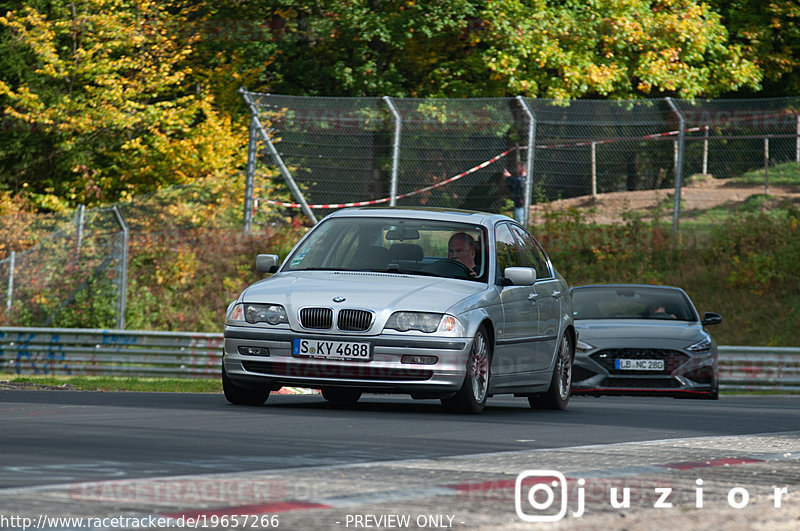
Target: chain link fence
71, 269
70, 265
336, 152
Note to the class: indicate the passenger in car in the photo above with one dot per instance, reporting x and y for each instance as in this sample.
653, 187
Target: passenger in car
462, 248
658, 311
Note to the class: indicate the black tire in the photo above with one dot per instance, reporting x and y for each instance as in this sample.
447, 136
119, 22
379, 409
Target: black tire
341, 395
714, 394
557, 396
471, 398
243, 396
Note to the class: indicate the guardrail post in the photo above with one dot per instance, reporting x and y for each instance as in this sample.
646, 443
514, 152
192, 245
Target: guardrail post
298, 195
529, 163
676, 211
123, 280
398, 124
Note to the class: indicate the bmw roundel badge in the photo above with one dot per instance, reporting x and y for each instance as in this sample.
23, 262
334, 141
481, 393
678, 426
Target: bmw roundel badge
338, 299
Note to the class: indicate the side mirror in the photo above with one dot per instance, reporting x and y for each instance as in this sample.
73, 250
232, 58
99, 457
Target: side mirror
520, 276
710, 318
267, 263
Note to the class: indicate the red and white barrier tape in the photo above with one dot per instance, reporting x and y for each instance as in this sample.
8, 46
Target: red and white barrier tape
401, 196
460, 175
609, 141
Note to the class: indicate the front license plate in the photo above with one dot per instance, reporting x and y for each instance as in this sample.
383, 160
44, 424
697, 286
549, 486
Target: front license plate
639, 365
336, 350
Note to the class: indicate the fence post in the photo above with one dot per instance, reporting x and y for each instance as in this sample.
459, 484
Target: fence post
529, 163
676, 211
12, 259
705, 150
398, 124
250, 172
123, 281
766, 165
797, 142
298, 195
594, 170
79, 228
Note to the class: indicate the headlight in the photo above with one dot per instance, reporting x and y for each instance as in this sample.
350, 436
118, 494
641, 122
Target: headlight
273, 314
426, 322
701, 346
583, 346
405, 321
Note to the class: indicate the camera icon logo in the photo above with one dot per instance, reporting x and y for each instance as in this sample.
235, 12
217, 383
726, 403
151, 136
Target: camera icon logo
540, 495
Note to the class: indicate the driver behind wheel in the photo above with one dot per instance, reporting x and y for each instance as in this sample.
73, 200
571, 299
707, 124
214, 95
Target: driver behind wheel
462, 248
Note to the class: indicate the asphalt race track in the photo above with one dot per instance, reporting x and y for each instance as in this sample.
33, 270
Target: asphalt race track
121, 460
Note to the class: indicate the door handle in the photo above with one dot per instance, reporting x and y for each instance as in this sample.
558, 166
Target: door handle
533, 296
557, 294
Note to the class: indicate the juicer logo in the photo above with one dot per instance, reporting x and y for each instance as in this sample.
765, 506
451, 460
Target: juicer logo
546, 495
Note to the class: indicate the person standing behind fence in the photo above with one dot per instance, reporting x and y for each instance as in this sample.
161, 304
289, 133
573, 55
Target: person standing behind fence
516, 185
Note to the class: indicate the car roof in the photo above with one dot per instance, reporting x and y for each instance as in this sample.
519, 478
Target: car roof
427, 213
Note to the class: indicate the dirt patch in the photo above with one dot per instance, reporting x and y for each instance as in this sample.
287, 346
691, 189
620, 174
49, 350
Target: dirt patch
699, 195
30, 386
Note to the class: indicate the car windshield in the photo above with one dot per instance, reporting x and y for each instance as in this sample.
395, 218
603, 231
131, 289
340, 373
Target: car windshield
408, 246
618, 302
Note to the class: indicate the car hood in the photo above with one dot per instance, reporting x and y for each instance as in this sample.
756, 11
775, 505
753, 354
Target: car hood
629, 332
362, 290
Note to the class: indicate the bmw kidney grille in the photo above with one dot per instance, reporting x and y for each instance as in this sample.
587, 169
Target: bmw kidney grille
322, 319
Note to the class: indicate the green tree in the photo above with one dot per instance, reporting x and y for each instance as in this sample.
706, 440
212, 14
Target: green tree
613, 48
769, 34
111, 90
538, 48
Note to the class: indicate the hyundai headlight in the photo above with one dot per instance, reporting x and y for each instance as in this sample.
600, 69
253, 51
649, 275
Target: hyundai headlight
703, 345
583, 346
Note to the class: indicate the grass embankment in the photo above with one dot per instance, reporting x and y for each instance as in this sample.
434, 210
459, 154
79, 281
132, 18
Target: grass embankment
111, 383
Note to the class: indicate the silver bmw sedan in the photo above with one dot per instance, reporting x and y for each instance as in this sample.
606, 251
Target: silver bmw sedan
433, 303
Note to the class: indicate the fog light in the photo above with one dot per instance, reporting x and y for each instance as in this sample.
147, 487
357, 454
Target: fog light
252, 351
420, 360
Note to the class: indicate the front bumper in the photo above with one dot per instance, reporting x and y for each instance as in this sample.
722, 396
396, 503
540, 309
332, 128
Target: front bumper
383, 373
685, 373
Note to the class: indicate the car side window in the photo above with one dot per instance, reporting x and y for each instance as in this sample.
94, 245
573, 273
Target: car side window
507, 252
532, 253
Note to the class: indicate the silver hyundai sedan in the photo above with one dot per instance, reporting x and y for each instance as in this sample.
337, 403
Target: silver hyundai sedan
434, 303
643, 340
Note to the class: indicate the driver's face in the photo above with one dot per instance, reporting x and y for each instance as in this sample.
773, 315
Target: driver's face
461, 250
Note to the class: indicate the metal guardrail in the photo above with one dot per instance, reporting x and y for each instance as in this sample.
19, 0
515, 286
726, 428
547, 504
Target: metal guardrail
759, 368
79, 351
